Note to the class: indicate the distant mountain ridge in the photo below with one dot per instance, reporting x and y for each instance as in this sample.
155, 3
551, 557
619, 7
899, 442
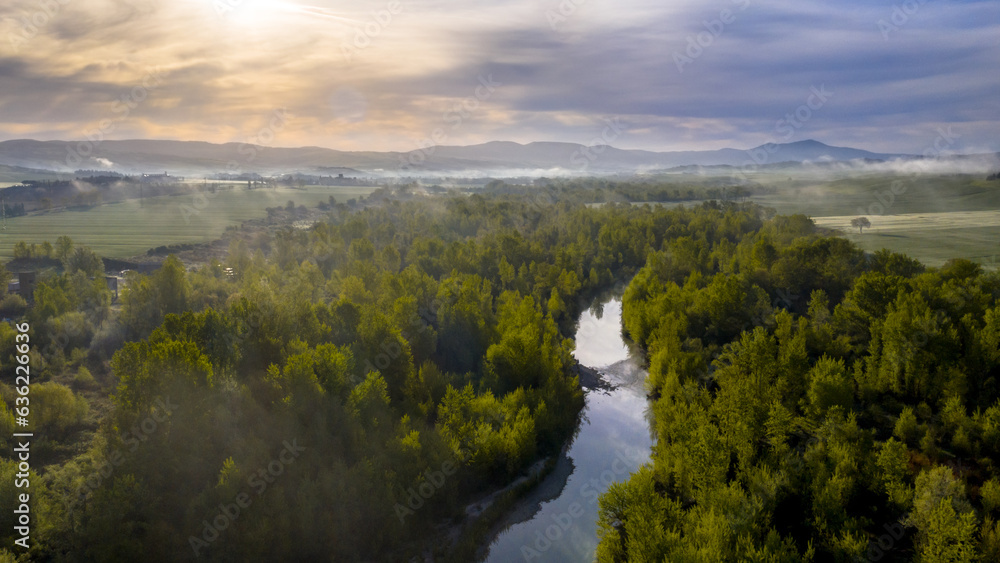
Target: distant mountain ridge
198, 157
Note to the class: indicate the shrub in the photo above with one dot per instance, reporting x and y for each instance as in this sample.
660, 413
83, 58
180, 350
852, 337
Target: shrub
56, 409
84, 378
77, 356
13, 305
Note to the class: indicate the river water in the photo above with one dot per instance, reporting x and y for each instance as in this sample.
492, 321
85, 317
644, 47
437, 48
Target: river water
559, 518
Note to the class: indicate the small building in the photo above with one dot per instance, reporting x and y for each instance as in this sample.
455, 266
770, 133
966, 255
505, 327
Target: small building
26, 284
112, 282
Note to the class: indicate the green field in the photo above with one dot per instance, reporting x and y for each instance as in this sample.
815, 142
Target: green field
867, 194
931, 218
121, 230
932, 237
934, 248
946, 230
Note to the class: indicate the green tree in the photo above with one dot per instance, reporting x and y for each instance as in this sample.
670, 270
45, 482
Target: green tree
945, 521
893, 462
861, 223
5, 277
85, 260
829, 386
21, 250
64, 248
56, 409
171, 286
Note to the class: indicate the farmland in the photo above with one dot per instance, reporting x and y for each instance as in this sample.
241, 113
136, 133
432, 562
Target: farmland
933, 238
120, 230
879, 194
932, 218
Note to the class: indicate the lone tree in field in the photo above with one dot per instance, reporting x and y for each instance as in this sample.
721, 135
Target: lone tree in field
861, 223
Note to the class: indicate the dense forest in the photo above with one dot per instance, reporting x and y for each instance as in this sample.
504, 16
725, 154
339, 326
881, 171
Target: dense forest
342, 392
291, 410
639, 189
812, 403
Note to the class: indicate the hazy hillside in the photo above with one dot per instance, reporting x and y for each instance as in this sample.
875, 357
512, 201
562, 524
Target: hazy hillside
195, 157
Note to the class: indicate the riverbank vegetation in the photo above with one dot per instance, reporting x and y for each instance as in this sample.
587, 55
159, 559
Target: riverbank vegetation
812, 403
343, 391
340, 394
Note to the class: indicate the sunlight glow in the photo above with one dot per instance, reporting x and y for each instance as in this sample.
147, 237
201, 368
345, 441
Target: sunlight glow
263, 13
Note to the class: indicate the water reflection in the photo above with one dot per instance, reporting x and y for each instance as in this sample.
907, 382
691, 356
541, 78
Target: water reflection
599, 342
558, 521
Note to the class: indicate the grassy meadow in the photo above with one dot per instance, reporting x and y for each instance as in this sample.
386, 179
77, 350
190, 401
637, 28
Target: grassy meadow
121, 230
934, 238
881, 194
932, 218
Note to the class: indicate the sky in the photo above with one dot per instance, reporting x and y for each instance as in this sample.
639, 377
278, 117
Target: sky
402, 74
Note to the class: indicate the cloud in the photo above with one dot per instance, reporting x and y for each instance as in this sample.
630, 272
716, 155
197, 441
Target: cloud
383, 76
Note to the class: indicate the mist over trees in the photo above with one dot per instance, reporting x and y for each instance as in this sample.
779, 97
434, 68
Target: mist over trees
342, 392
388, 343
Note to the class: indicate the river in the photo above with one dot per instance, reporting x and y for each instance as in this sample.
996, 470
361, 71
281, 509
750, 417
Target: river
557, 522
